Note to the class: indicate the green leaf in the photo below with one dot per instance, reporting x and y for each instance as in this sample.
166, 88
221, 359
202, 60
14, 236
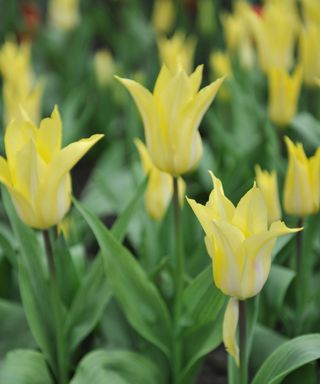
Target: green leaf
120, 226
265, 341
137, 295
88, 305
25, 367
202, 300
203, 311
277, 285
288, 357
35, 294
14, 330
116, 367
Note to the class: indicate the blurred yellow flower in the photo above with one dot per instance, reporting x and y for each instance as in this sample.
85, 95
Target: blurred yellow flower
302, 183
64, 14
267, 182
237, 33
19, 88
239, 243
37, 171
163, 15
178, 51
104, 67
160, 185
309, 52
275, 33
284, 92
171, 117
311, 11
220, 65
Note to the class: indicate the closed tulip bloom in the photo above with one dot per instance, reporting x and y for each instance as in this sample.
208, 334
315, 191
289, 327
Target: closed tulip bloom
177, 51
302, 183
284, 92
104, 67
239, 242
267, 182
37, 170
311, 11
275, 33
309, 53
160, 185
64, 14
171, 117
163, 15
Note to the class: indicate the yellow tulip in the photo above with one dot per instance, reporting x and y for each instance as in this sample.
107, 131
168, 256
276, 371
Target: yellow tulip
284, 91
64, 14
220, 65
302, 184
177, 51
37, 171
239, 243
275, 33
237, 33
104, 67
311, 11
19, 89
171, 117
268, 184
163, 15
160, 185
309, 52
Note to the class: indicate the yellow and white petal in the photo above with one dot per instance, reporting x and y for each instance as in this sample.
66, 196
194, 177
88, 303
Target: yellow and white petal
228, 258
145, 158
49, 136
251, 213
203, 215
229, 329
5, 177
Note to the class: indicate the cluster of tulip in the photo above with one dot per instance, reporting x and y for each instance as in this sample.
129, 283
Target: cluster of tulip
239, 238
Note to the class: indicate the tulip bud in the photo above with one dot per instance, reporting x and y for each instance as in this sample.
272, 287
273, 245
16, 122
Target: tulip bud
302, 184
160, 185
64, 14
104, 67
284, 91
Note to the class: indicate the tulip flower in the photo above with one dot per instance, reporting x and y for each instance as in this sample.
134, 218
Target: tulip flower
177, 51
64, 15
163, 15
302, 183
284, 91
220, 65
311, 11
171, 117
19, 89
160, 185
239, 243
268, 184
309, 53
104, 67
275, 33
237, 33
37, 170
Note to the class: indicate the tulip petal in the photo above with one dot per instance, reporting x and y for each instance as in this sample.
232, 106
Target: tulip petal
251, 213
203, 215
5, 176
144, 156
162, 81
221, 207
229, 331
49, 136
228, 258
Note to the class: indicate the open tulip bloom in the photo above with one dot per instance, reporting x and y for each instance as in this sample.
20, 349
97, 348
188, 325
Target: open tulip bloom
239, 243
37, 170
171, 117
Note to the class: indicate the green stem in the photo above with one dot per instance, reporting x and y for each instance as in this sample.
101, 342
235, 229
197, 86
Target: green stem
243, 368
61, 360
178, 279
299, 274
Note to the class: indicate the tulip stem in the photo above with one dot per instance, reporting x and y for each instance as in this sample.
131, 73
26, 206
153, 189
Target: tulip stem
299, 273
178, 279
49, 253
61, 360
243, 368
